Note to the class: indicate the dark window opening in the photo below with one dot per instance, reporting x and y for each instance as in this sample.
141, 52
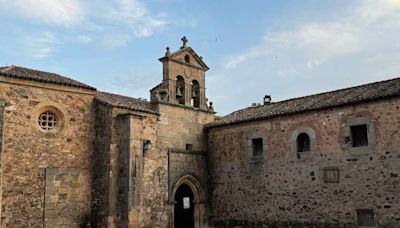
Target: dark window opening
366, 217
359, 135
187, 59
189, 147
257, 147
331, 175
303, 142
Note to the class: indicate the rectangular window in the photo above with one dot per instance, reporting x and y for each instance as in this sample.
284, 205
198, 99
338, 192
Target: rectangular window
331, 175
257, 147
189, 147
359, 135
366, 218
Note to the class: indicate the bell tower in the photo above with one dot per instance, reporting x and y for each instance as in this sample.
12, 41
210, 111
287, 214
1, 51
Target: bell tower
183, 79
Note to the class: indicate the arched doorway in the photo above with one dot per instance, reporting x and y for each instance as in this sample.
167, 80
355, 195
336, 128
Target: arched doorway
184, 207
198, 203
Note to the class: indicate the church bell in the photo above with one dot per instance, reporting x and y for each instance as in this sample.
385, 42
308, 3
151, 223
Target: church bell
194, 95
179, 92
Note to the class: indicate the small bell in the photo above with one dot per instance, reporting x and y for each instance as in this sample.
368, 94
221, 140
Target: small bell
179, 93
194, 95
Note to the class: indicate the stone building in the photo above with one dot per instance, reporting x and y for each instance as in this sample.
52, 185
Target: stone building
71, 154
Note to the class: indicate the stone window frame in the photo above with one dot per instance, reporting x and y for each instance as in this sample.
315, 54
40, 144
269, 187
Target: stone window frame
187, 59
359, 211
51, 107
311, 134
306, 140
48, 120
328, 180
346, 136
249, 147
255, 145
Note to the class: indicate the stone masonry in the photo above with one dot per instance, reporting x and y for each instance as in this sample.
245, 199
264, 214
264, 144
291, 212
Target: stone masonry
28, 153
282, 188
72, 156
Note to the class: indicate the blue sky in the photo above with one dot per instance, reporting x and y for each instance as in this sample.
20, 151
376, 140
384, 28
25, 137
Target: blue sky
283, 48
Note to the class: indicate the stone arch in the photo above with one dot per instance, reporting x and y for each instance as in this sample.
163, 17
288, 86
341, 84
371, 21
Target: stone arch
187, 59
303, 142
200, 219
310, 132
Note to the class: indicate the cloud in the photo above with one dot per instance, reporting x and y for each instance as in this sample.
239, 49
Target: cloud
137, 17
59, 12
41, 45
85, 39
115, 41
317, 41
125, 19
351, 47
373, 10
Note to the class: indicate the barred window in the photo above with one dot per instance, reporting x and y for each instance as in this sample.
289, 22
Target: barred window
47, 121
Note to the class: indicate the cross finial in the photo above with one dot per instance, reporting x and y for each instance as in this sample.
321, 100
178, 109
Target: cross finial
184, 41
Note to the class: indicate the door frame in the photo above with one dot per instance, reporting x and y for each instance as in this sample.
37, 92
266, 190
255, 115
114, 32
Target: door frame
199, 200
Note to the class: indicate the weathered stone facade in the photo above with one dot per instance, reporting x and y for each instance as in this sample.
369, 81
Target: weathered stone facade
283, 188
71, 155
145, 156
32, 193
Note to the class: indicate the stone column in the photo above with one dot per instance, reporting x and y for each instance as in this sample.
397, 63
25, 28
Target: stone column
2, 106
188, 95
172, 91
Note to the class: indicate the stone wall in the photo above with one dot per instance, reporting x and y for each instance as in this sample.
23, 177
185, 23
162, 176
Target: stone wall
101, 164
65, 201
181, 137
285, 187
2, 106
28, 150
130, 181
132, 184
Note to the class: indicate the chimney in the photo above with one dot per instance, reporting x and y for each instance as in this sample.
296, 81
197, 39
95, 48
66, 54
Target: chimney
267, 99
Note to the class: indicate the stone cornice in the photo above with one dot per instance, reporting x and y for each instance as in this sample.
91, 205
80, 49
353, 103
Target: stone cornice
43, 85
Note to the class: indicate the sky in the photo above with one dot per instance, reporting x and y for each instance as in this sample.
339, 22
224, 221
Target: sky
281, 48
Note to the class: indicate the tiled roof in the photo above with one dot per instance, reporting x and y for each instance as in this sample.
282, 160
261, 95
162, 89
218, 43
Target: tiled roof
348, 96
120, 101
40, 76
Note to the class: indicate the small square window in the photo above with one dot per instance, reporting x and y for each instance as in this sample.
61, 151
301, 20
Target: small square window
257, 147
189, 147
359, 135
331, 175
366, 217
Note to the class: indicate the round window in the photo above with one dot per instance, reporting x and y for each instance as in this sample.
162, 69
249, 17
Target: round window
48, 121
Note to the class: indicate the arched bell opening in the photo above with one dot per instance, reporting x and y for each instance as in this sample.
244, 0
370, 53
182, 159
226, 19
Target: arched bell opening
180, 89
195, 94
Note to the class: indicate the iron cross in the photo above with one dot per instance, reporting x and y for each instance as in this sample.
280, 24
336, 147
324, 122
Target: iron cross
184, 40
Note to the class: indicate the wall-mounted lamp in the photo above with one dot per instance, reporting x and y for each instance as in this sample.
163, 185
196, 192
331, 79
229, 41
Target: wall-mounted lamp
146, 145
